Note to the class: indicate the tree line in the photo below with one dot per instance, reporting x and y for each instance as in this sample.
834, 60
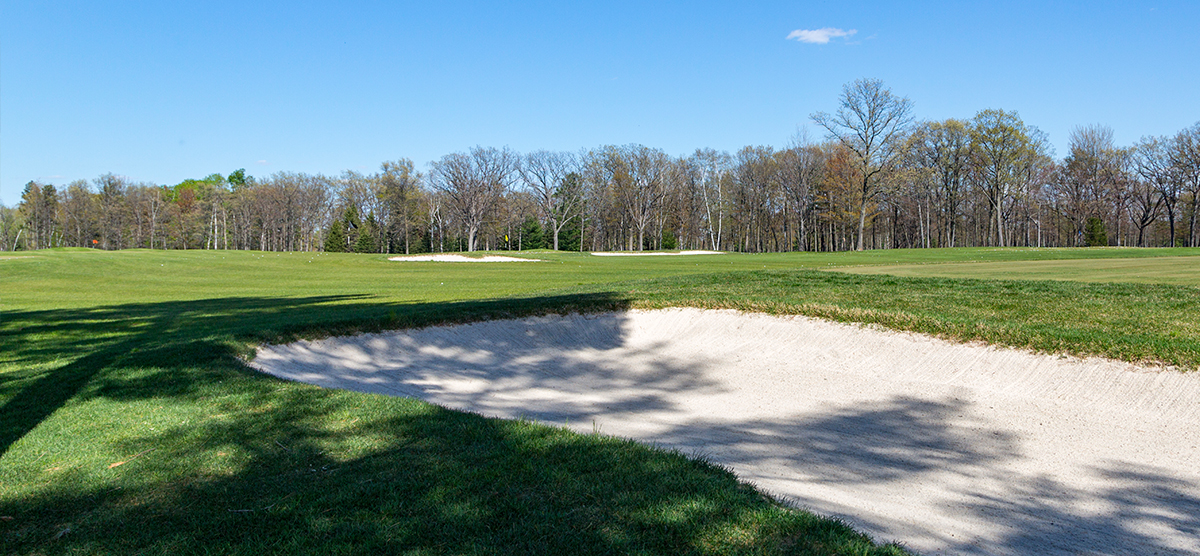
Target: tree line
876, 179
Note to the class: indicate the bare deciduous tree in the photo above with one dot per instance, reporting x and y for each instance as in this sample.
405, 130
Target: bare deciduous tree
79, 214
1145, 202
1185, 157
1153, 163
400, 188
871, 122
473, 183
712, 175
1091, 174
113, 210
945, 147
546, 173
11, 224
639, 175
39, 207
800, 169
1004, 154
755, 189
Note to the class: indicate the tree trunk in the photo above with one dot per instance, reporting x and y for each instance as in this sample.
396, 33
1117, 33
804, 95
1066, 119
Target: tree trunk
862, 224
999, 227
1192, 221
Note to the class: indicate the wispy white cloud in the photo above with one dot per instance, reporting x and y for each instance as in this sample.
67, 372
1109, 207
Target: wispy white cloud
819, 36
262, 163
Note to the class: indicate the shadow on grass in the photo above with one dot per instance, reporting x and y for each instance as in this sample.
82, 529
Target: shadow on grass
163, 335
437, 482
252, 465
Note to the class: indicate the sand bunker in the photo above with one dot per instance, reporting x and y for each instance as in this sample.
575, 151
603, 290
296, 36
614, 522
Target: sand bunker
637, 254
947, 448
447, 258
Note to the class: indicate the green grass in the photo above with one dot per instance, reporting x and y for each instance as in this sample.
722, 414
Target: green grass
1183, 268
1146, 323
130, 424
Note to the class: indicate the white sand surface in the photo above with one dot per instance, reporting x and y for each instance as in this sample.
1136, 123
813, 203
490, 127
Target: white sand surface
452, 258
947, 448
639, 254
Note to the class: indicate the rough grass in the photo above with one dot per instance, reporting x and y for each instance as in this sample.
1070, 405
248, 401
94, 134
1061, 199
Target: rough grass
129, 424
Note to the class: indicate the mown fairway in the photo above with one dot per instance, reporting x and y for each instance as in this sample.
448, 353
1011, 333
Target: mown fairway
128, 423
1182, 268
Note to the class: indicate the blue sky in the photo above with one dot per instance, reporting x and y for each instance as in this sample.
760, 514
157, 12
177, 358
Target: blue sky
163, 91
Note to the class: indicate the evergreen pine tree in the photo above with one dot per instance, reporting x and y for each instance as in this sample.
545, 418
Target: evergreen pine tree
350, 227
335, 240
531, 234
668, 239
1094, 234
366, 237
571, 236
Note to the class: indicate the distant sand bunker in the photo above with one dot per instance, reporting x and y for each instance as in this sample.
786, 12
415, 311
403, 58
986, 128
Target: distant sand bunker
463, 259
948, 448
636, 254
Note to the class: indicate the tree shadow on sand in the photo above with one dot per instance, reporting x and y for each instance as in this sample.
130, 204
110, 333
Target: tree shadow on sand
1139, 510
890, 445
559, 369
